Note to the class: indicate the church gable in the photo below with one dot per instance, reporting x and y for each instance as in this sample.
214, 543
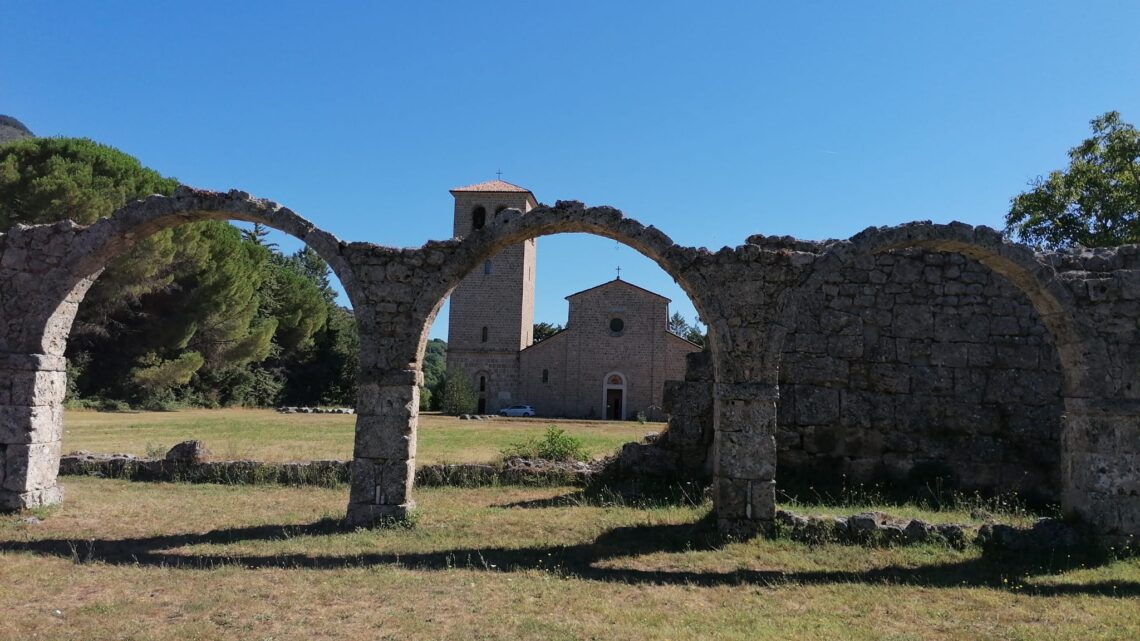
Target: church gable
617, 309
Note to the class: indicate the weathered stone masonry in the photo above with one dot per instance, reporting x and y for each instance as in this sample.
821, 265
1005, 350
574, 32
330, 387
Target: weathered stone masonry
755, 298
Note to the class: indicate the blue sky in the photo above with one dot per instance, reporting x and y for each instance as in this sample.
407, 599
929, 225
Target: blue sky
711, 122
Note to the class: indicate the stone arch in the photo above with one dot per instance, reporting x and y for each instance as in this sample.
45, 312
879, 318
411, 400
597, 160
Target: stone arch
1016, 263
61, 262
1034, 277
396, 431
109, 237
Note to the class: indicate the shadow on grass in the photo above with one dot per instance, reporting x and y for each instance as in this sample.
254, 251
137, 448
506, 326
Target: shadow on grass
585, 561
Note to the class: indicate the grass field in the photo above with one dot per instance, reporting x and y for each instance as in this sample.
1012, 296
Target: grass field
266, 435
121, 560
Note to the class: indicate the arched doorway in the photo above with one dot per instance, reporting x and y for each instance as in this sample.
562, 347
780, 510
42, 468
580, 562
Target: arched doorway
613, 396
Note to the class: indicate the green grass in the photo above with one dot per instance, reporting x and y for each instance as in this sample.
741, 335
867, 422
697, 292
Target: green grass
177, 561
266, 435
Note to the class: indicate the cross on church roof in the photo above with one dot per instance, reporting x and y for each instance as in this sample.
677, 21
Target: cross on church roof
499, 174
619, 272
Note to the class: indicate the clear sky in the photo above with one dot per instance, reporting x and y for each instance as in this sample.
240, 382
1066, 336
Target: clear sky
711, 121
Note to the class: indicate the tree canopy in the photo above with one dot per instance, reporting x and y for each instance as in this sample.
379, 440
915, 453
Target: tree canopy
1095, 202
681, 327
198, 314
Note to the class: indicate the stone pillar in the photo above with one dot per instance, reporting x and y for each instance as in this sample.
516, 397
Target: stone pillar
32, 388
744, 451
1101, 464
384, 455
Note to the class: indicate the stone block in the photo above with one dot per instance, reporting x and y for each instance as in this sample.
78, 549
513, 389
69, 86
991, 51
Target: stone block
913, 321
30, 467
37, 388
745, 455
388, 400
730, 498
892, 379
365, 477
817, 405
371, 515
30, 424
845, 346
11, 501
396, 479
384, 437
746, 416
932, 381
949, 354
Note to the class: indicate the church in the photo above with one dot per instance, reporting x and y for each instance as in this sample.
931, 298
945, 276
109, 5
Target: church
610, 362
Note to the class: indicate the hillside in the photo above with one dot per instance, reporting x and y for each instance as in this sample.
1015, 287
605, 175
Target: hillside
12, 129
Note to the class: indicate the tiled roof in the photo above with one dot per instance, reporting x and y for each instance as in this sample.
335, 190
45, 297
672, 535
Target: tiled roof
617, 281
494, 186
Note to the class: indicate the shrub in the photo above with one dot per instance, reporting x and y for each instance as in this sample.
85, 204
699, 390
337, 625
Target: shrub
555, 445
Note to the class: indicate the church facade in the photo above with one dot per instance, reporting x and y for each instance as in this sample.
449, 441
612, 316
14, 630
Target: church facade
610, 362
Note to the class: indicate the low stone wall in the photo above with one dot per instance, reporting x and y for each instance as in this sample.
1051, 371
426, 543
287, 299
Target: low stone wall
515, 471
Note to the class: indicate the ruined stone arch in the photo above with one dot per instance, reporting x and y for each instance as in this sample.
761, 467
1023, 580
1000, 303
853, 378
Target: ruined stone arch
395, 388
48, 270
1032, 276
463, 256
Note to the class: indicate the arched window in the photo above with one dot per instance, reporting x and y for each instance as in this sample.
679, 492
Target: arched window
482, 383
545, 376
478, 218
486, 267
484, 333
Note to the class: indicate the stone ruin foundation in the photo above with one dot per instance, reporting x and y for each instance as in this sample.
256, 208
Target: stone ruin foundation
896, 352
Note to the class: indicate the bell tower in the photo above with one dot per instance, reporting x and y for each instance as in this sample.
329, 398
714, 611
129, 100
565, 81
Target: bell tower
492, 310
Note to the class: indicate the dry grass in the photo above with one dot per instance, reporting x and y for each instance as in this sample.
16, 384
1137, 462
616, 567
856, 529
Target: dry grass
163, 561
266, 435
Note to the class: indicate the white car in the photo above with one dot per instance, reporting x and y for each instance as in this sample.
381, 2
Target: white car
517, 410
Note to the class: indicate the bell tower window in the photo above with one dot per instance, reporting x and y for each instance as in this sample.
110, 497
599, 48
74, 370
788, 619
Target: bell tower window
478, 217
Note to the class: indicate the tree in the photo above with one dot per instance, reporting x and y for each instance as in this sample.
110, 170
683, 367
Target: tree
543, 331
681, 327
1096, 202
457, 396
256, 234
179, 317
677, 324
43, 180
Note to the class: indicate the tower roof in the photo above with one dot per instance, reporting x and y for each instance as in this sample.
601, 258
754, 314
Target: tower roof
495, 187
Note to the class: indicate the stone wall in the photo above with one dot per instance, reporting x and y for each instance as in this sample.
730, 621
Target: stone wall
915, 368
757, 298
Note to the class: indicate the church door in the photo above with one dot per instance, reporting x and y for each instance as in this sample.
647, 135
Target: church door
482, 405
613, 404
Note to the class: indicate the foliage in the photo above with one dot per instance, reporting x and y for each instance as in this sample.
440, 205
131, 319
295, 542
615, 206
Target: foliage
43, 180
1096, 202
434, 368
325, 373
681, 327
555, 445
457, 396
200, 314
543, 331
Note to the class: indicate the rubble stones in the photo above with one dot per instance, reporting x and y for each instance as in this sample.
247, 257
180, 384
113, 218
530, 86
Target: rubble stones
189, 452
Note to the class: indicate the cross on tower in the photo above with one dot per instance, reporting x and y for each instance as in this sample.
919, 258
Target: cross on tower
619, 272
499, 174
